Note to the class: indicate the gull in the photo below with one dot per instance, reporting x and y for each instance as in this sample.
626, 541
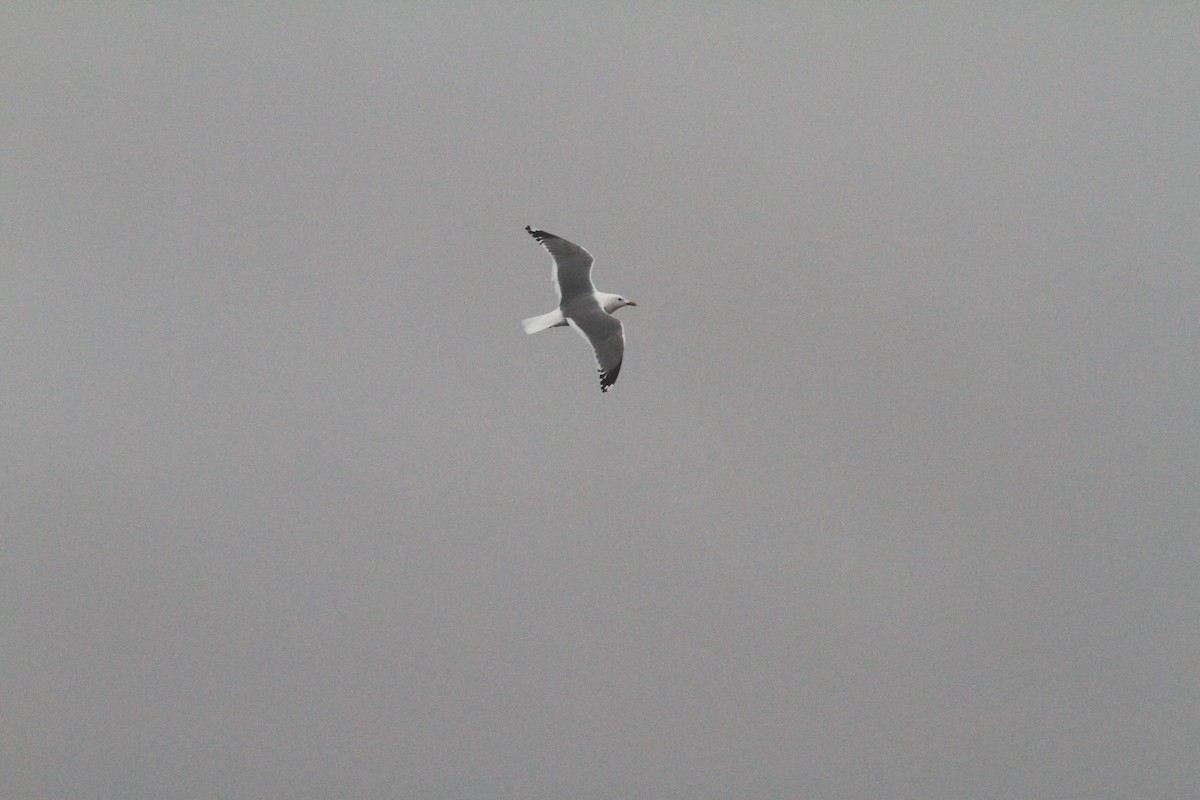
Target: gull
583, 308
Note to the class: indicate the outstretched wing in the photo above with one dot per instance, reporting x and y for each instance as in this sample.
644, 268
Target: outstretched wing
572, 265
607, 338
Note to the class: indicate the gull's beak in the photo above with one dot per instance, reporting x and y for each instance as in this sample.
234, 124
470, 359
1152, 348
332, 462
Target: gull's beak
631, 303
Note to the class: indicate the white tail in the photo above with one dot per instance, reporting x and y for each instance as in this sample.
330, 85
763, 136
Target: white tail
551, 320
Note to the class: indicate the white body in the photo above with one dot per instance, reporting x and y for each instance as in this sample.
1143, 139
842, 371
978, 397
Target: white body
555, 319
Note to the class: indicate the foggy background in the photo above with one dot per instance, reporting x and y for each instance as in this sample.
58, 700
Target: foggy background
896, 495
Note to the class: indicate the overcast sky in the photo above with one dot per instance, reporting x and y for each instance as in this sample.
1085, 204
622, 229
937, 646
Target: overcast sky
896, 496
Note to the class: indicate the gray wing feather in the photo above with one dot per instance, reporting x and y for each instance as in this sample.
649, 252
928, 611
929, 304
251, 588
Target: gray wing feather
572, 265
607, 338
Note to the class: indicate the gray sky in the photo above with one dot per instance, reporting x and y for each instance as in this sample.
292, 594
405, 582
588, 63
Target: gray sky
896, 495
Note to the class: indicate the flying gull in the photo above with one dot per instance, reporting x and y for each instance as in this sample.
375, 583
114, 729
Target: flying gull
583, 308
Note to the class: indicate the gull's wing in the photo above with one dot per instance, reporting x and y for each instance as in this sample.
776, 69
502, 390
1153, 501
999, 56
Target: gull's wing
572, 265
606, 336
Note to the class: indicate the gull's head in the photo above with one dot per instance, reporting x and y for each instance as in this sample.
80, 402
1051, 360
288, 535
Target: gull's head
611, 302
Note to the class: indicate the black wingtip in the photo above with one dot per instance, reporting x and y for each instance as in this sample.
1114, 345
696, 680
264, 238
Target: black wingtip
541, 236
607, 379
